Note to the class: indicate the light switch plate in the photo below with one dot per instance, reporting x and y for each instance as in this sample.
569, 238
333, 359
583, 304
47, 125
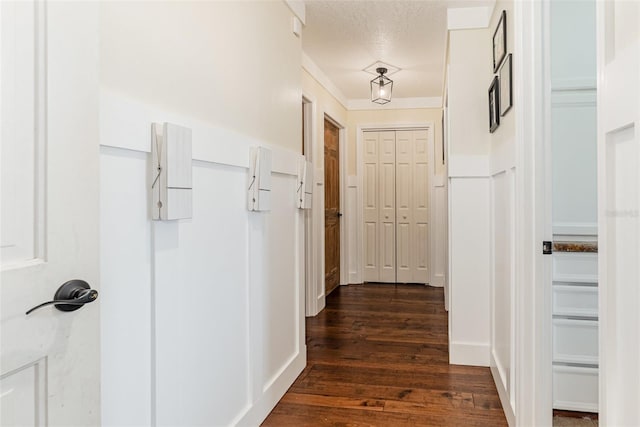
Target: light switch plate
172, 176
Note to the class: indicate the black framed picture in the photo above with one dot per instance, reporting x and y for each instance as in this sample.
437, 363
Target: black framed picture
506, 88
500, 41
494, 105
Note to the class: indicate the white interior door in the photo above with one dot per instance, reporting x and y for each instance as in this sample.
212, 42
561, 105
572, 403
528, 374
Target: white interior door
618, 28
420, 209
412, 197
405, 243
396, 206
387, 219
49, 360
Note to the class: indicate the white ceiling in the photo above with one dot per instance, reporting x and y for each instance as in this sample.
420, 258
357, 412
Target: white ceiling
343, 37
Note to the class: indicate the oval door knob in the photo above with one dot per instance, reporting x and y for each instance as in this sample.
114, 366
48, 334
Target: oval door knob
71, 296
386, 216
404, 217
338, 214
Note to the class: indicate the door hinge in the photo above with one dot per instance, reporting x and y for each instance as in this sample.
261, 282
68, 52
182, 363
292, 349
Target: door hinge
547, 247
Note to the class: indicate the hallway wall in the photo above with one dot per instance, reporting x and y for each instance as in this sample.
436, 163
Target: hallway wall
482, 174
202, 319
503, 176
469, 196
324, 103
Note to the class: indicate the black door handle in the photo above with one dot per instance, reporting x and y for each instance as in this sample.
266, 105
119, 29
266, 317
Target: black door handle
71, 296
338, 214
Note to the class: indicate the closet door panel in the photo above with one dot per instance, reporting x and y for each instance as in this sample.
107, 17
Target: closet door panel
403, 188
387, 218
371, 238
396, 206
403, 246
371, 271
388, 264
421, 271
404, 200
420, 207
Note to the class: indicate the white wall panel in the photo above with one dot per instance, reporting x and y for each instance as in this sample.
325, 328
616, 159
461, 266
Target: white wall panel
200, 290
210, 310
469, 271
439, 267
502, 288
125, 277
280, 322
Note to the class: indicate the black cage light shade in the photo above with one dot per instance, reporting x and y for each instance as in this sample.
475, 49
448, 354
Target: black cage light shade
381, 87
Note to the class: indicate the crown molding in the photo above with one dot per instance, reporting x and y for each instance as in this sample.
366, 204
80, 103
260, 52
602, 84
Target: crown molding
325, 82
298, 8
467, 18
396, 103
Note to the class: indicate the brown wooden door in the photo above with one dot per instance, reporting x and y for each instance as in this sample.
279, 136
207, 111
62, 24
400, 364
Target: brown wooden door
331, 206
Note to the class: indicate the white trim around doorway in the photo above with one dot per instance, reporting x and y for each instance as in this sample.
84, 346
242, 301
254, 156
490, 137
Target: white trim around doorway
315, 264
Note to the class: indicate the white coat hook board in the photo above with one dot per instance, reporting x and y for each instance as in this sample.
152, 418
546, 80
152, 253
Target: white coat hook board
171, 185
304, 192
259, 188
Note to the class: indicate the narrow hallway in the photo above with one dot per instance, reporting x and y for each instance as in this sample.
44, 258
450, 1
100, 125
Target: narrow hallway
377, 355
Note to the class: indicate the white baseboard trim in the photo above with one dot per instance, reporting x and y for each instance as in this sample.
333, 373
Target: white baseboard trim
504, 397
274, 392
471, 354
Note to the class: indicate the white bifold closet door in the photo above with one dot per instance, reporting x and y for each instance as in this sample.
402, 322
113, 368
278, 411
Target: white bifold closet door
396, 209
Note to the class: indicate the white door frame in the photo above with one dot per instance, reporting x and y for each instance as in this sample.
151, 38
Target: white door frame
310, 265
342, 133
315, 276
618, 120
533, 368
360, 179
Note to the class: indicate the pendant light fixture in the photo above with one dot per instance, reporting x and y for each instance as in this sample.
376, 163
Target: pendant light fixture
381, 87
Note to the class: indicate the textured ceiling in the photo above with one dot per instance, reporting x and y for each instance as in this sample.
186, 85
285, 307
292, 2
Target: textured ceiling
345, 36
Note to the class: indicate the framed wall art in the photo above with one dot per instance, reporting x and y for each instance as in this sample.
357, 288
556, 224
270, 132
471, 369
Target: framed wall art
494, 105
500, 41
506, 87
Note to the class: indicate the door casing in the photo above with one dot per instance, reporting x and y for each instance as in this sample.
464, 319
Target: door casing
314, 288
330, 221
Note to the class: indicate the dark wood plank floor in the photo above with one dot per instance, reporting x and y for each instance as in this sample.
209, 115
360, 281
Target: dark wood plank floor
378, 356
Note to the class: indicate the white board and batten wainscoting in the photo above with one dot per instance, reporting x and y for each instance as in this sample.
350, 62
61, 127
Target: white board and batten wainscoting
204, 319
